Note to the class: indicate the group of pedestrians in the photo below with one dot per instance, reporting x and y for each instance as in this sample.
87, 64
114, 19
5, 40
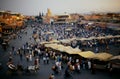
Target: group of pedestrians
37, 54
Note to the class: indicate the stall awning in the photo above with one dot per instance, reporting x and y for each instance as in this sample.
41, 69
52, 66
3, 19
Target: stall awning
87, 54
102, 56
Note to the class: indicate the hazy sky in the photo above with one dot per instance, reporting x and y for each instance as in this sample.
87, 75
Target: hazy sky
33, 7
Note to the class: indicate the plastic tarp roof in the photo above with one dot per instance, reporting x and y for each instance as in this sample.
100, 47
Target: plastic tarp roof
102, 56
87, 54
62, 48
115, 57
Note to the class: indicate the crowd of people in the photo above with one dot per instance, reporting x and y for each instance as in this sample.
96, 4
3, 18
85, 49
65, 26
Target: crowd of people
36, 53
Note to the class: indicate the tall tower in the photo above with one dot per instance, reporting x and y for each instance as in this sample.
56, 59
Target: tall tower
48, 14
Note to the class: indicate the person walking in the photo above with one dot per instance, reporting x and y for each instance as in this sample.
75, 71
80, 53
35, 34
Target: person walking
27, 57
30, 58
21, 56
89, 64
47, 60
93, 68
44, 59
52, 76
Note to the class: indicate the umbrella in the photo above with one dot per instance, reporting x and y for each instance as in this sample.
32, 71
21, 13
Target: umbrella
37, 40
54, 41
101, 37
109, 36
68, 50
91, 38
49, 32
35, 35
50, 45
115, 57
72, 39
68, 29
117, 36
115, 60
82, 39
87, 54
102, 56
77, 50
65, 41
44, 42
61, 48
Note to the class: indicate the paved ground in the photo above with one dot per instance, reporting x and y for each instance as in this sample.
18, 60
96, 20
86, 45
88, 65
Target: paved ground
45, 70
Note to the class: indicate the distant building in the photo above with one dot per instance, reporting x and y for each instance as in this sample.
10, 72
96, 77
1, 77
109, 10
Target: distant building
76, 17
108, 17
93, 17
66, 18
10, 21
62, 19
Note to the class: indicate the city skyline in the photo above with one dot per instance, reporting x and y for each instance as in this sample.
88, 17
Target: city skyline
33, 7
